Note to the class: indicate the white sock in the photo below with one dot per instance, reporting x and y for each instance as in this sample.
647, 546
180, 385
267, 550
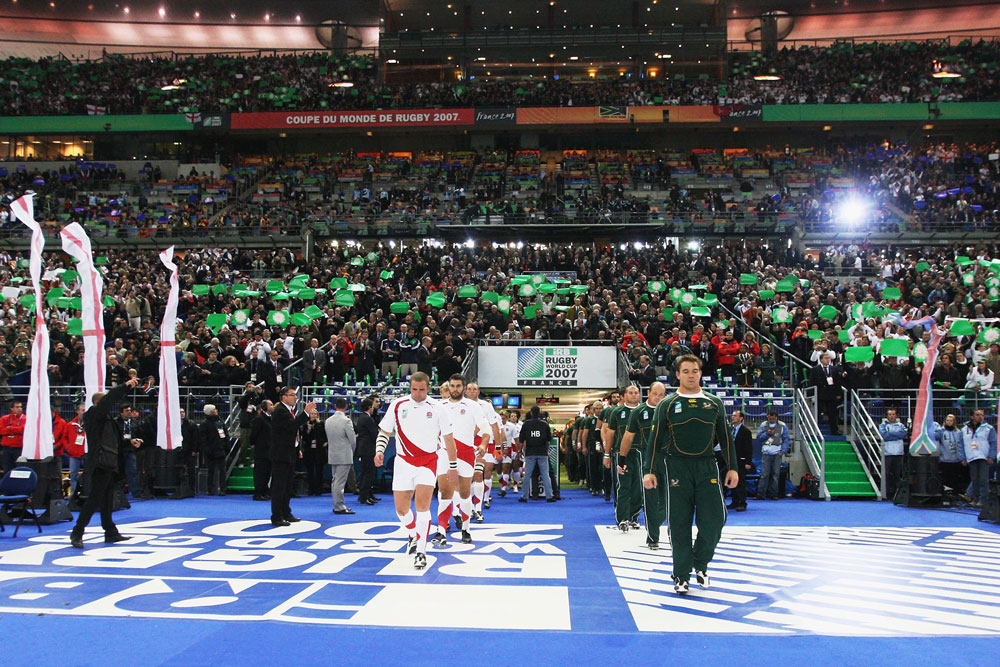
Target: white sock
444, 514
455, 500
423, 527
489, 488
477, 496
407, 522
466, 506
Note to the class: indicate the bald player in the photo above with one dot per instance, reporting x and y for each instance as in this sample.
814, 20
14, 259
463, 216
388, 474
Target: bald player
635, 441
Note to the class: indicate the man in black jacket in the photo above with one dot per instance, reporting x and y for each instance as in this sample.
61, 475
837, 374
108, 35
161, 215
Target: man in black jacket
105, 439
424, 361
189, 450
367, 431
247, 404
743, 440
827, 378
285, 425
214, 444
260, 440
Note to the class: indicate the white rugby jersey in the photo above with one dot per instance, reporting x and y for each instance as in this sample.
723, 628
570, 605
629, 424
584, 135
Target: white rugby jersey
416, 425
465, 415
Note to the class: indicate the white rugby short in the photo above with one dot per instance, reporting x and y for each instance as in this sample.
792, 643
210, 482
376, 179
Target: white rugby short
406, 477
466, 461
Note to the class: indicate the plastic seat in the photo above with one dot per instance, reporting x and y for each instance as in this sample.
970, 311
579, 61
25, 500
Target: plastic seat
16, 488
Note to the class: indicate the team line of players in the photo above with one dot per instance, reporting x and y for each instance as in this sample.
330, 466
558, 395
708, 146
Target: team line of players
455, 442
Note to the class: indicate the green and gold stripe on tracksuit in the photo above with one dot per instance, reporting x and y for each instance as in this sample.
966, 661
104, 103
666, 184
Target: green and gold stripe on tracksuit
684, 433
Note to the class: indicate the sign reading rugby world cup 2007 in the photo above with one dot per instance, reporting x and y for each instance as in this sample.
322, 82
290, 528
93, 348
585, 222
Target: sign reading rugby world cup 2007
291, 120
547, 366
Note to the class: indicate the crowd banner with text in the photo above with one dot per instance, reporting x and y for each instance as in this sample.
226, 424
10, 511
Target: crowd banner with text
496, 116
586, 367
739, 112
305, 120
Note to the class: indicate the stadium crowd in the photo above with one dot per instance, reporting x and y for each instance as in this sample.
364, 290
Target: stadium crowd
843, 73
628, 295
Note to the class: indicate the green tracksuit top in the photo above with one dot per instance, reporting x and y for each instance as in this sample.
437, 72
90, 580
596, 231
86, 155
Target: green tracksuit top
689, 426
617, 421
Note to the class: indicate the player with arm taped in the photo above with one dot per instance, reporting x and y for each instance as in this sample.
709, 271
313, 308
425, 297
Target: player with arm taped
467, 421
492, 434
419, 425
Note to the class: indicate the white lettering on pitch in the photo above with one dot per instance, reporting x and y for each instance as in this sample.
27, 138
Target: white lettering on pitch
125, 557
247, 529
495, 567
249, 560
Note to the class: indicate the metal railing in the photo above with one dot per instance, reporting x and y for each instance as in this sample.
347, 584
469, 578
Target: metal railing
792, 368
807, 432
959, 402
867, 443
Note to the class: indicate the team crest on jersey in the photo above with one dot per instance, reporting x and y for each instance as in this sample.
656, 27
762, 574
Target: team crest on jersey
429, 414
675, 482
404, 411
678, 407
462, 411
645, 414
706, 405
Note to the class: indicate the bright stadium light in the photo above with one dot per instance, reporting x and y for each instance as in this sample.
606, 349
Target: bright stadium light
852, 211
469, 243
637, 245
694, 245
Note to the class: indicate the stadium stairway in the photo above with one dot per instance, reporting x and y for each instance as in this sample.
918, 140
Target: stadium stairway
241, 479
845, 476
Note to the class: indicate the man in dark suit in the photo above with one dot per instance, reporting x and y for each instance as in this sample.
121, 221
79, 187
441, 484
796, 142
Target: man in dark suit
314, 364
272, 374
260, 441
367, 432
743, 440
645, 375
285, 425
424, 360
106, 458
827, 377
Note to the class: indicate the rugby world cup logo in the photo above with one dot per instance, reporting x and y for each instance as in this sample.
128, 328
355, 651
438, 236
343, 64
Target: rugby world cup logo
530, 363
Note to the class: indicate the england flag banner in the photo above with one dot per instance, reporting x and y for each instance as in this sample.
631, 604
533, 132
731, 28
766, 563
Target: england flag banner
168, 410
76, 242
38, 412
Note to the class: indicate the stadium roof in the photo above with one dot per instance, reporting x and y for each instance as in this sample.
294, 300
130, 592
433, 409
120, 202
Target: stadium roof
441, 14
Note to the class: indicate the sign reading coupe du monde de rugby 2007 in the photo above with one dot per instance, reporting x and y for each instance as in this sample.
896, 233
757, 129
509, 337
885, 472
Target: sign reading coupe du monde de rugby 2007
585, 367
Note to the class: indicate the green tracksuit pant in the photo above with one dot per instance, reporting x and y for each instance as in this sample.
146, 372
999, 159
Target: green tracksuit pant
654, 500
629, 490
693, 486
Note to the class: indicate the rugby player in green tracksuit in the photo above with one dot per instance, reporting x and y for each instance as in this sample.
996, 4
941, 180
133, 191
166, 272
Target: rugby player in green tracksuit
607, 475
686, 426
634, 443
625, 470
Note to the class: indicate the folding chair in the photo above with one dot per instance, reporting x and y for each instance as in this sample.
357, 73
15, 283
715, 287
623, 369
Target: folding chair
16, 488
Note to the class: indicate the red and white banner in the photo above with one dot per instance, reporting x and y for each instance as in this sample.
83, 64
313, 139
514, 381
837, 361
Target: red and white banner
291, 120
38, 412
168, 409
76, 242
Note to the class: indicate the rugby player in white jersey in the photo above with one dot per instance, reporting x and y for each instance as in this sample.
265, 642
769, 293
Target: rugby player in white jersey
509, 430
467, 421
492, 434
418, 424
516, 458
